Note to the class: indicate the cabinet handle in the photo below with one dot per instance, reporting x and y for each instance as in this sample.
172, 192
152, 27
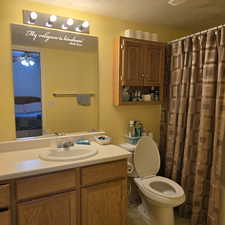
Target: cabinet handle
5, 209
142, 75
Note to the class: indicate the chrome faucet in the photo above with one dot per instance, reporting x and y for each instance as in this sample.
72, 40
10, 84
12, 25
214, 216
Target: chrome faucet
66, 145
59, 134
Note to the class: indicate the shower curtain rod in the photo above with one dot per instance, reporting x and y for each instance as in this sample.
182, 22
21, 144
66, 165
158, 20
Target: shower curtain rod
196, 34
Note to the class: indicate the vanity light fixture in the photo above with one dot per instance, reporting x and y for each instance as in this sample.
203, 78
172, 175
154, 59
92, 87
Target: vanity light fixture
56, 22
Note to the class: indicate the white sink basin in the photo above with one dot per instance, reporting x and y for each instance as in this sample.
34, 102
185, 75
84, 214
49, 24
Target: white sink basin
71, 154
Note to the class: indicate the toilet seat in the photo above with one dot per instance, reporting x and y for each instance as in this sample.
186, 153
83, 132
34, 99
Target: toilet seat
161, 186
161, 190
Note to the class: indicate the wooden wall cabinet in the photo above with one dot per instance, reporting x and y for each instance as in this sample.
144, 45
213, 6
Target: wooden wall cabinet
137, 63
83, 196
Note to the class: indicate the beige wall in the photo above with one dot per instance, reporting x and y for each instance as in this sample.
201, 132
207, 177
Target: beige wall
111, 119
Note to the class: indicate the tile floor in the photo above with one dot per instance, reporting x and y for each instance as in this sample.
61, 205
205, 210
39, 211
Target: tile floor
134, 218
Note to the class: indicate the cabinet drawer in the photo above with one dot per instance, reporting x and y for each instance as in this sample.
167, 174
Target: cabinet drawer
5, 218
103, 172
45, 184
4, 196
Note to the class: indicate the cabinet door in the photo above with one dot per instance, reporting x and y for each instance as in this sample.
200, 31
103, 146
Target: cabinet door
5, 218
55, 210
4, 196
132, 63
104, 204
153, 64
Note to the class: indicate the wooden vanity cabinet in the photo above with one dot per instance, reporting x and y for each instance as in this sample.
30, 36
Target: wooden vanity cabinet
88, 195
137, 63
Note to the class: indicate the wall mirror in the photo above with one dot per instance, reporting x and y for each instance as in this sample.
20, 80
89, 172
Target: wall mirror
55, 77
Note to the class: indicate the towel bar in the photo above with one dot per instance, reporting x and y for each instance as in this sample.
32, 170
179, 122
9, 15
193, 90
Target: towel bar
70, 95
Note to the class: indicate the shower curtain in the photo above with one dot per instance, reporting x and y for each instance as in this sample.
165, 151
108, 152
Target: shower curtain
193, 122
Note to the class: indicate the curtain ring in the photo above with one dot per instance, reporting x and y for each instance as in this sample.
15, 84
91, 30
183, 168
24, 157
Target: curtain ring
216, 31
200, 37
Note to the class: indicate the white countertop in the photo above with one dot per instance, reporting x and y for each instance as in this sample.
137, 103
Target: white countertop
18, 164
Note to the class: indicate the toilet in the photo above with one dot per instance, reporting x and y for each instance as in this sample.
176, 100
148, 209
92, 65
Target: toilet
159, 195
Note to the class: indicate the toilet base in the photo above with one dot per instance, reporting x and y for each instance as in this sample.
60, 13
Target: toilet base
156, 215
145, 215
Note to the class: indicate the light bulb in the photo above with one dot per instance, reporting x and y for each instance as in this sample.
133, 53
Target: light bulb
85, 24
52, 18
24, 62
31, 62
69, 22
33, 15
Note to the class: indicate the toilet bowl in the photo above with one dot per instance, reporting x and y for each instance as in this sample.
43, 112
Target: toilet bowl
159, 195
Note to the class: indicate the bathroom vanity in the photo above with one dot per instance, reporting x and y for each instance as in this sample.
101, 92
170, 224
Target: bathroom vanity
84, 192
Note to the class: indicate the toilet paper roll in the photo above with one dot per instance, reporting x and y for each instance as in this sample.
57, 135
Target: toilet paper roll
129, 33
139, 34
130, 168
147, 36
155, 37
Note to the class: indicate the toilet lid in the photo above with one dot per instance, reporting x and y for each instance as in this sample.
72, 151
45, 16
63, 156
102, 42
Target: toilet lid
146, 157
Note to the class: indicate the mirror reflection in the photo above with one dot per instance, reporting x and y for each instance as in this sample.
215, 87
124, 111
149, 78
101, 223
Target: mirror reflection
47, 62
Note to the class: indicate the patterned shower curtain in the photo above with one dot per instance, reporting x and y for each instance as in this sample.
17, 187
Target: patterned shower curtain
193, 122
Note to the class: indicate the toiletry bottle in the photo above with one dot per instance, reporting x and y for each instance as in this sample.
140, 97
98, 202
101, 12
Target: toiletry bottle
131, 131
157, 95
152, 93
138, 128
125, 94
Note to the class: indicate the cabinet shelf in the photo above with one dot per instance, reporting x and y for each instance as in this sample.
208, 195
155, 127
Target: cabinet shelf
140, 64
141, 103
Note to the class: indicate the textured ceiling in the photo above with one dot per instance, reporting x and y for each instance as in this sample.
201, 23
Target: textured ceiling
193, 14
